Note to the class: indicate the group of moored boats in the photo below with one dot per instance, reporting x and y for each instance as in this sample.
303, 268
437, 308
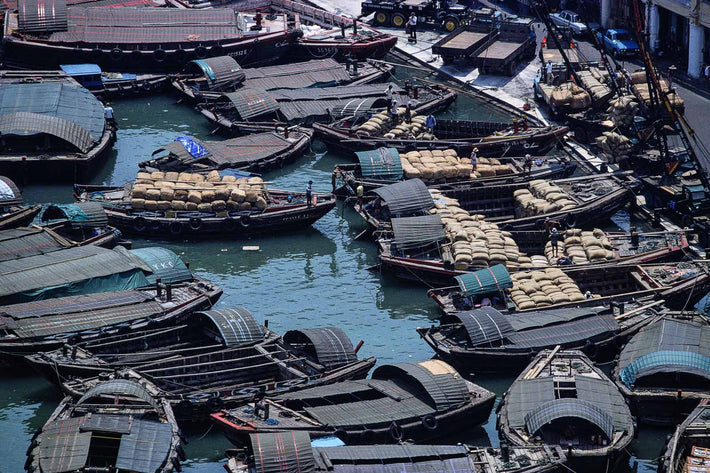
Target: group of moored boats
502, 233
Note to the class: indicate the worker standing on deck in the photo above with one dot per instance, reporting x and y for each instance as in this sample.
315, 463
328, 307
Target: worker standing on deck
548, 72
412, 25
528, 164
389, 92
430, 123
395, 113
309, 192
474, 158
360, 191
108, 114
554, 239
408, 112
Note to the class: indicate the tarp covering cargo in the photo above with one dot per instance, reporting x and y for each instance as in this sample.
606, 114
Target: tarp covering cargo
23, 242
41, 16
165, 265
417, 232
236, 326
406, 198
666, 346
491, 280
282, 452
395, 458
250, 103
222, 72
74, 314
329, 345
316, 73
67, 111
569, 408
380, 163
72, 271
81, 215
9, 193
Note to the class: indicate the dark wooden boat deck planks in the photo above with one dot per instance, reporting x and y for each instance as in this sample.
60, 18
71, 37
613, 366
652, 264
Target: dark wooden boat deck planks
421, 401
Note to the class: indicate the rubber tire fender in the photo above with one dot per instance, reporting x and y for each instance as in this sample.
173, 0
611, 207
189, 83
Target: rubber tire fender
160, 55
176, 227
201, 52
195, 223
229, 224
245, 221
430, 422
116, 54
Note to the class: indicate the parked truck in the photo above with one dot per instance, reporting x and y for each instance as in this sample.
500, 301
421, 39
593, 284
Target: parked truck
438, 13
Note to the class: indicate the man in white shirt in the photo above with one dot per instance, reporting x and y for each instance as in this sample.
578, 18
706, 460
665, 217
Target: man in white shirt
412, 25
548, 72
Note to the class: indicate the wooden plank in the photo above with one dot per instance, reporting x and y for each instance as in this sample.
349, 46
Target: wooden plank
637, 310
539, 367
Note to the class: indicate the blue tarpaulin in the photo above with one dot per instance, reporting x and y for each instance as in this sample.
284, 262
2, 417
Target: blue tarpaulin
485, 281
195, 149
703, 304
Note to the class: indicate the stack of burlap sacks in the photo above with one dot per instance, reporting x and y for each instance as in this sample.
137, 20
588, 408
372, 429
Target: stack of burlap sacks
593, 80
538, 289
614, 145
570, 95
582, 247
622, 110
474, 241
382, 124
640, 87
160, 191
437, 165
541, 198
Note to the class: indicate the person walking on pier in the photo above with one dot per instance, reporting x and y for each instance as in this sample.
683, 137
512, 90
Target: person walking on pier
412, 26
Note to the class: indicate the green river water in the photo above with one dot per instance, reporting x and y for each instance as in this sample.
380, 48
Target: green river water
313, 278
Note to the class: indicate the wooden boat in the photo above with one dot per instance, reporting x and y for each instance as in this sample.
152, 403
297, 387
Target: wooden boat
421, 401
678, 284
239, 111
663, 370
140, 39
282, 211
257, 152
383, 166
229, 376
82, 224
45, 325
30, 275
196, 332
315, 33
561, 398
204, 80
293, 451
493, 139
587, 199
687, 449
117, 425
433, 262
13, 211
114, 84
41, 141
486, 340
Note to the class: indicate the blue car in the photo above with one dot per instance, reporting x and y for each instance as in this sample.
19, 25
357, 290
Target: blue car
619, 43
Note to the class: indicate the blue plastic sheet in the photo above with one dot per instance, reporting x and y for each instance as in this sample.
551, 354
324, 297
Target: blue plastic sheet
195, 149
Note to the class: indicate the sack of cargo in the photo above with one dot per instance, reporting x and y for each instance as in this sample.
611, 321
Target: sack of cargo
526, 305
172, 176
177, 205
244, 206
251, 196
229, 179
152, 194
157, 175
260, 203
137, 204
143, 175
163, 205
198, 178
195, 197
184, 177
180, 194
222, 193
462, 258
219, 205
207, 196
166, 193
232, 206
151, 205
540, 298
139, 192
204, 207
213, 176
